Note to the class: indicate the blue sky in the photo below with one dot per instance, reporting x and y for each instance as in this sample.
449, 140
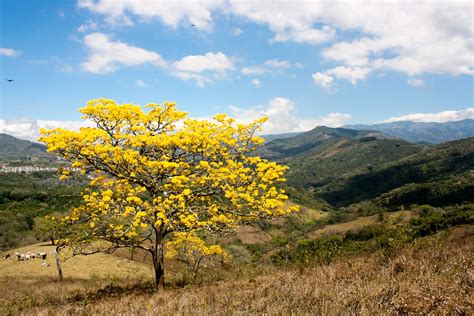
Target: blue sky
300, 63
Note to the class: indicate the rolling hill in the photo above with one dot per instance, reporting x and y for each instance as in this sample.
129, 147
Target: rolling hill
441, 175
343, 166
12, 148
324, 154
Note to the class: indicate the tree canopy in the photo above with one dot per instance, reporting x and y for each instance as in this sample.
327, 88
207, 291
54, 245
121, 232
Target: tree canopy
157, 172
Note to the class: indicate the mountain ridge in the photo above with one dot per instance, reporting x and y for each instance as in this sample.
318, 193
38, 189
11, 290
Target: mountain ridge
429, 132
418, 132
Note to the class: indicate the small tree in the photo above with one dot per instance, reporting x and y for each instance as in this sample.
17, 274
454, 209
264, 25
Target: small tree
155, 178
63, 233
46, 229
194, 252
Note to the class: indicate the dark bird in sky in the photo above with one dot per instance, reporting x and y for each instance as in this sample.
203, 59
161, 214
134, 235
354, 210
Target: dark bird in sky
9, 80
193, 25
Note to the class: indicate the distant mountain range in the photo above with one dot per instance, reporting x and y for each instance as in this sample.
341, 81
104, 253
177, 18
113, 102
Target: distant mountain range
418, 132
421, 132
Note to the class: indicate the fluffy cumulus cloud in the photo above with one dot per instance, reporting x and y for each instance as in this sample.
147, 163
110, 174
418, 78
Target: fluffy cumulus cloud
409, 37
282, 117
9, 52
351, 74
288, 20
360, 37
439, 117
106, 55
171, 12
203, 68
200, 63
30, 129
323, 80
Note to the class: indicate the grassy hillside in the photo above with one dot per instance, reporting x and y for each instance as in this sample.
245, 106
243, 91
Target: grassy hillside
345, 158
443, 168
281, 148
324, 154
430, 276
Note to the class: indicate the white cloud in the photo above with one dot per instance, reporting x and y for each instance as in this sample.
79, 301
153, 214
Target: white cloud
439, 117
351, 74
140, 83
256, 83
306, 35
416, 82
323, 80
105, 54
275, 63
218, 62
237, 31
201, 80
253, 70
30, 129
9, 52
288, 20
270, 66
87, 27
412, 38
203, 68
171, 12
283, 119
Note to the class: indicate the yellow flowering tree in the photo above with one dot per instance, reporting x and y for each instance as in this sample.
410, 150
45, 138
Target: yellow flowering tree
158, 173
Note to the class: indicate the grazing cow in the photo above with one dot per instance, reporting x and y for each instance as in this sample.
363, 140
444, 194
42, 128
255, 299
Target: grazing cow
22, 257
42, 255
7, 256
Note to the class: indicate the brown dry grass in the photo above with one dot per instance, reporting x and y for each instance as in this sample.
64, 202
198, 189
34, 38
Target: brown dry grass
434, 275
360, 223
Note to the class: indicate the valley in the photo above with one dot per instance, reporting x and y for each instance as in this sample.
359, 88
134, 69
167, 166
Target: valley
362, 194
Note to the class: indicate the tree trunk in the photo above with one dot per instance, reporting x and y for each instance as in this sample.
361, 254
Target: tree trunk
58, 264
159, 267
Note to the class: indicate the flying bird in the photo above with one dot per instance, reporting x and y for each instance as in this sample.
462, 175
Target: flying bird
9, 80
193, 25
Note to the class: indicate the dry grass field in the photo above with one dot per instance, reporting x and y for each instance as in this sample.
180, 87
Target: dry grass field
434, 275
359, 223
